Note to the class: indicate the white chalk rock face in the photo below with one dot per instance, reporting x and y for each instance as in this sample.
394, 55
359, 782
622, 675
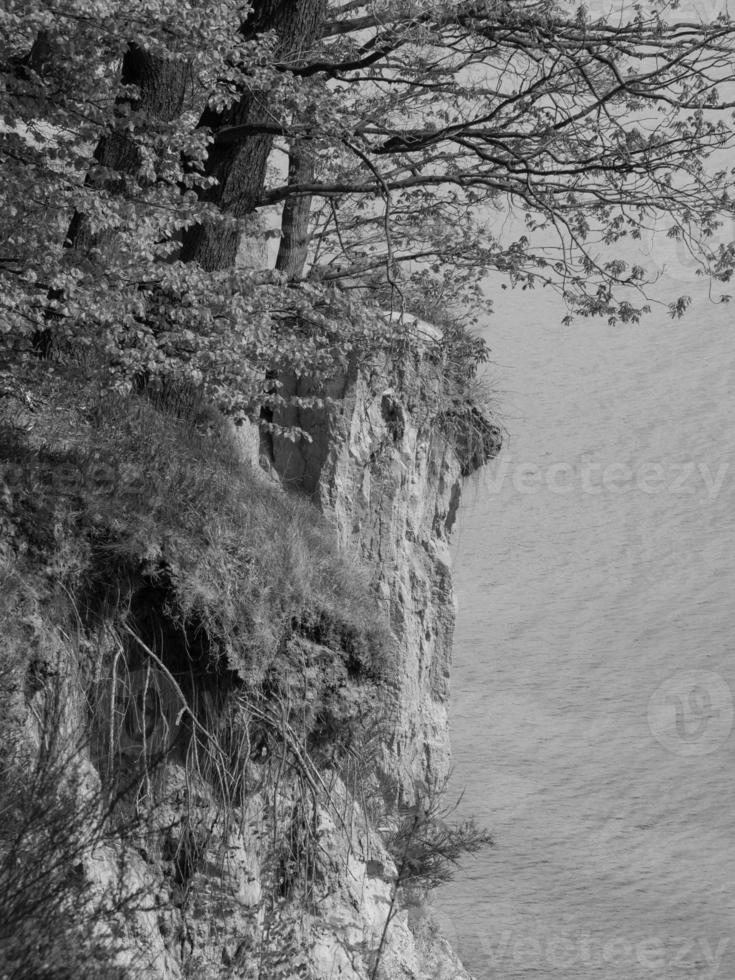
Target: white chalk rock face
388, 476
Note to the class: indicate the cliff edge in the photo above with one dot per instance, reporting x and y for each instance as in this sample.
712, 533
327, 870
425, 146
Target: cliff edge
225, 675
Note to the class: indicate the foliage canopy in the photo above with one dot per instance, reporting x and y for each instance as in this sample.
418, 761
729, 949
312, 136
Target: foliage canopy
139, 141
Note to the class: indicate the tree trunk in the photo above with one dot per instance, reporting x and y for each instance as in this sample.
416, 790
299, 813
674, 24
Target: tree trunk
240, 167
163, 86
294, 245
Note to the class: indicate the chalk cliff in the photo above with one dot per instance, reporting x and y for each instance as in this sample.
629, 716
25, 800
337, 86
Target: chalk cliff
384, 466
256, 842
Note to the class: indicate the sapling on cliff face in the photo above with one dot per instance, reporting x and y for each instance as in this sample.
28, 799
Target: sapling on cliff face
427, 850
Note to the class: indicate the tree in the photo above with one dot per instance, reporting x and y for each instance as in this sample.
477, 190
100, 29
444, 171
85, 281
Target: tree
427, 849
239, 165
590, 128
406, 126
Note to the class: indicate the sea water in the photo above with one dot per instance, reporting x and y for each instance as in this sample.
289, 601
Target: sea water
594, 658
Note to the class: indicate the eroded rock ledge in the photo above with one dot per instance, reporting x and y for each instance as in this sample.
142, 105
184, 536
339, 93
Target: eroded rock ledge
387, 466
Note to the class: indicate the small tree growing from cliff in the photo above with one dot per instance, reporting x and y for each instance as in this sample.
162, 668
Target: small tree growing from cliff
427, 849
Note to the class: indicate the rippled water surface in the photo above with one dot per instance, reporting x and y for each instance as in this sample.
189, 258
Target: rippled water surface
593, 666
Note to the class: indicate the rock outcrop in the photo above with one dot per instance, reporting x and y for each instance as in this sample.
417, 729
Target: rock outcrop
385, 465
292, 875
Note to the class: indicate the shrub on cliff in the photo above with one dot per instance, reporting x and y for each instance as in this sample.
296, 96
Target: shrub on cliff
427, 848
53, 925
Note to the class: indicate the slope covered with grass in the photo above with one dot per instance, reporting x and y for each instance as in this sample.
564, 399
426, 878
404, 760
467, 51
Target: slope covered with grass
178, 608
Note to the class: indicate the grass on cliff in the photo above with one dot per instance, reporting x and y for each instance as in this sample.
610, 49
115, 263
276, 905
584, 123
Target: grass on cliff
133, 526
53, 926
138, 523
96, 491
